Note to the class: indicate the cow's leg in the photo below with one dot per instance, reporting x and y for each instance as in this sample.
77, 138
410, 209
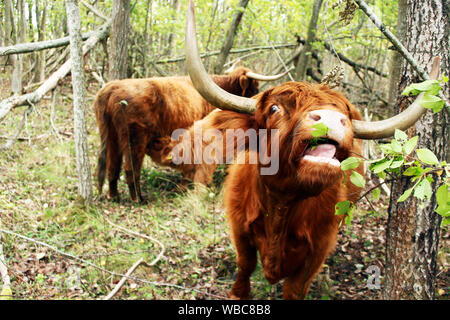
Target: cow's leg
246, 262
113, 165
297, 286
134, 157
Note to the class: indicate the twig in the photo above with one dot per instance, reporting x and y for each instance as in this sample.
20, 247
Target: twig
82, 261
94, 11
15, 137
392, 38
122, 281
141, 236
52, 115
398, 45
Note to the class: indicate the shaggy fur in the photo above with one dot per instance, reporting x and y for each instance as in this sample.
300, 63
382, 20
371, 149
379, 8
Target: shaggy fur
134, 114
287, 217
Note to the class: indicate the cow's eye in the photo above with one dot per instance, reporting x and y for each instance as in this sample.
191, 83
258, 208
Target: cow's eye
274, 109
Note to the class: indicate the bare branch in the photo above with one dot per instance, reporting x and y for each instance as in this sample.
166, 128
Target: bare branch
94, 11
34, 97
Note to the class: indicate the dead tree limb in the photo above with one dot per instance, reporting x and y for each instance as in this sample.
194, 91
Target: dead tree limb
48, 44
94, 11
35, 96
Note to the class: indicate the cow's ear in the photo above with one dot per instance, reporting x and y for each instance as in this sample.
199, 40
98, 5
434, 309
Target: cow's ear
354, 112
260, 114
244, 82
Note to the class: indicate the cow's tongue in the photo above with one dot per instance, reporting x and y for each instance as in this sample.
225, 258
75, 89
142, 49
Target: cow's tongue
322, 150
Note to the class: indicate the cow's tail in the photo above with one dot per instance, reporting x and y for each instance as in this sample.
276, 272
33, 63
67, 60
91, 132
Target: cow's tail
103, 123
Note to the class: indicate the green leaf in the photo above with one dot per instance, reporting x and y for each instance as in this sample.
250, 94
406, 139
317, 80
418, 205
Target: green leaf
443, 200
413, 171
357, 179
350, 163
399, 135
424, 86
342, 207
386, 148
405, 195
426, 156
396, 164
320, 130
379, 167
423, 190
376, 194
445, 222
433, 102
409, 145
396, 146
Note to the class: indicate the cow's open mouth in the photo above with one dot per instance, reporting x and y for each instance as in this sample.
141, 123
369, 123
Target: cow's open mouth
322, 151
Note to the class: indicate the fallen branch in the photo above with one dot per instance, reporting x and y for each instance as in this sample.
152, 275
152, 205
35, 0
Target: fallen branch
42, 45
122, 281
34, 97
141, 236
82, 261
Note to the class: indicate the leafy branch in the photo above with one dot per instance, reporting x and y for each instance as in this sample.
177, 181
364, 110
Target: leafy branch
423, 167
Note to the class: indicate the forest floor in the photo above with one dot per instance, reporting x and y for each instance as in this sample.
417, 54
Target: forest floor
38, 199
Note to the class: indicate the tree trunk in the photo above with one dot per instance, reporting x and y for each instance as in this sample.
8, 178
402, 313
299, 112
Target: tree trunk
16, 82
412, 241
396, 58
305, 55
79, 101
119, 40
229, 39
39, 73
175, 7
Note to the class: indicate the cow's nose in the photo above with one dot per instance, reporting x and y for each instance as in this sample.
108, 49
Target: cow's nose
334, 120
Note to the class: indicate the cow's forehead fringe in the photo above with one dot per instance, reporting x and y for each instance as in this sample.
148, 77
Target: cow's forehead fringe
301, 94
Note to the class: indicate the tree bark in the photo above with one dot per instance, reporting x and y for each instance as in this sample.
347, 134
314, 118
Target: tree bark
119, 39
412, 241
229, 38
396, 58
79, 101
305, 55
39, 73
175, 7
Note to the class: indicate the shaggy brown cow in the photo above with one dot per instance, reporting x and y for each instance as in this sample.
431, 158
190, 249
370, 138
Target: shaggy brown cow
133, 114
289, 216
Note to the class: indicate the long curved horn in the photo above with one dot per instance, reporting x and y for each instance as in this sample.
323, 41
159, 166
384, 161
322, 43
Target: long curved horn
201, 79
405, 119
261, 77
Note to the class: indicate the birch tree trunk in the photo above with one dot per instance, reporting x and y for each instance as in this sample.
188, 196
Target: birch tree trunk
396, 58
119, 39
79, 101
229, 39
39, 74
412, 241
304, 59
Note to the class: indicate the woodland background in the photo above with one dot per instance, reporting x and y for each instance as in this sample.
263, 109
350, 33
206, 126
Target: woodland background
82, 251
